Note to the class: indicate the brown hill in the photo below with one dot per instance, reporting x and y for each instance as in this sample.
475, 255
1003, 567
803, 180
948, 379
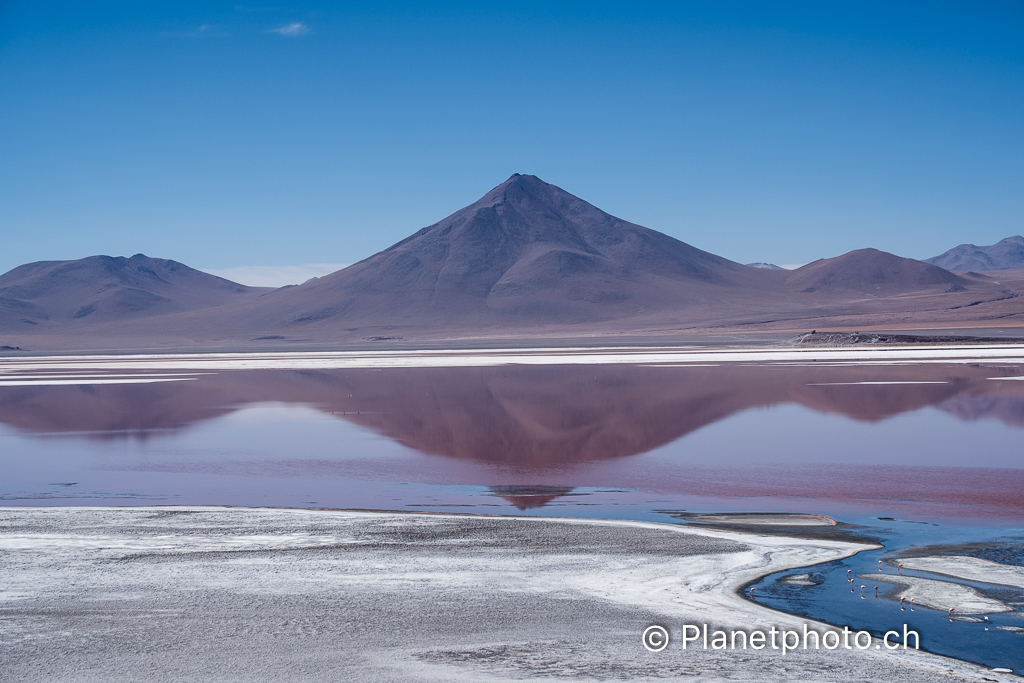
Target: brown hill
872, 272
99, 289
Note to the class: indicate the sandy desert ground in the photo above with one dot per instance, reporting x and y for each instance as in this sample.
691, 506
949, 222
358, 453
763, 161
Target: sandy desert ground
217, 594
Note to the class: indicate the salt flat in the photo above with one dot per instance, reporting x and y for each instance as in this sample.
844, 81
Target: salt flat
216, 594
671, 356
970, 568
939, 595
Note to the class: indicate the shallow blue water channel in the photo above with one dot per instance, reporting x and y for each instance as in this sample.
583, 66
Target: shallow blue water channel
836, 600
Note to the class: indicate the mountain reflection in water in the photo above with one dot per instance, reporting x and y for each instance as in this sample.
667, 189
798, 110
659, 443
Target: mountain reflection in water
548, 415
532, 433
530, 497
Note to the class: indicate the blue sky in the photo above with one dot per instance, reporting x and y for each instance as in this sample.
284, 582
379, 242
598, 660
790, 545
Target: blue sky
229, 136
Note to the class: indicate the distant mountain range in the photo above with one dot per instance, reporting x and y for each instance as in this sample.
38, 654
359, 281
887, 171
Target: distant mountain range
1005, 254
527, 259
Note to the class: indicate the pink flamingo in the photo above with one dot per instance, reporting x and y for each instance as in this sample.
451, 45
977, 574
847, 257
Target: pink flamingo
862, 587
951, 613
986, 623
902, 608
899, 569
879, 565
911, 604
876, 592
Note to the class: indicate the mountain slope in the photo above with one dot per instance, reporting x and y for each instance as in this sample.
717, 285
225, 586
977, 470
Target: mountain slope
101, 289
1006, 254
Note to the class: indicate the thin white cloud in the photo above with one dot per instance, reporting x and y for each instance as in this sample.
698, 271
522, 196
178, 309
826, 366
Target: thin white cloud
202, 31
275, 276
293, 30
791, 266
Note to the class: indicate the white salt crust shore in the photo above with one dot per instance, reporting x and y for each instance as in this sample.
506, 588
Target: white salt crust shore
675, 356
969, 568
938, 595
237, 594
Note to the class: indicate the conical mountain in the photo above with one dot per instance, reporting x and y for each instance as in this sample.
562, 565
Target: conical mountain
526, 252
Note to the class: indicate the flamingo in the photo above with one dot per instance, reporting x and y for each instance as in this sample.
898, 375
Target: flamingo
911, 604
876, 592
986, 623
862, 587
900, 569
902, 608
951, 613
879, 565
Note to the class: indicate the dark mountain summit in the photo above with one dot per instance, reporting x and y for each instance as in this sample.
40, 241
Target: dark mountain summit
106, 288
1006, 254
527, 251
